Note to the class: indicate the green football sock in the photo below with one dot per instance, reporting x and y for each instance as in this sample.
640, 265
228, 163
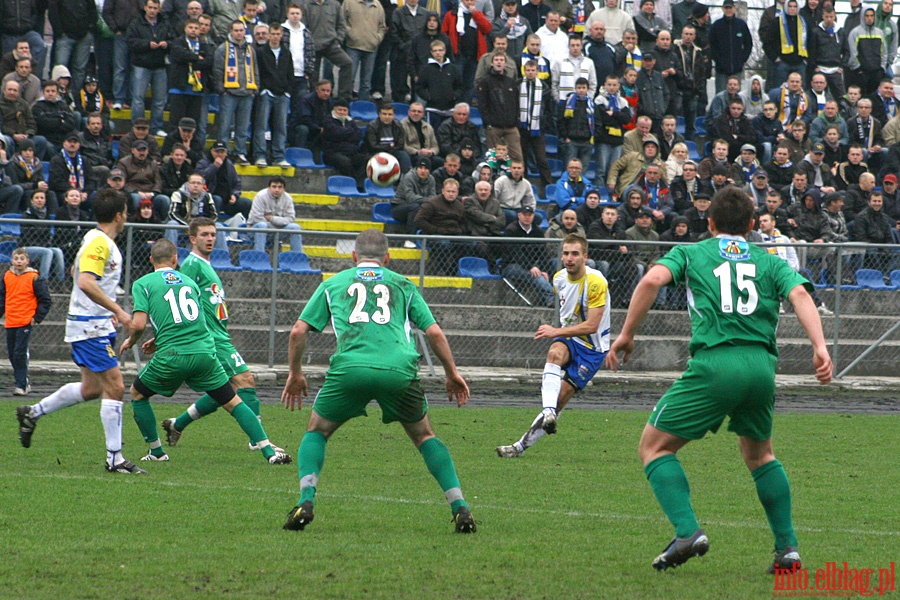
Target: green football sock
248, 395
670, 486
252, 427
204, 405
146, 422
440, 464
312, 457
774, 493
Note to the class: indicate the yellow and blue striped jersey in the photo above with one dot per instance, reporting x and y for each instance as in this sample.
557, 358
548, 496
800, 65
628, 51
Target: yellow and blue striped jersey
576, 297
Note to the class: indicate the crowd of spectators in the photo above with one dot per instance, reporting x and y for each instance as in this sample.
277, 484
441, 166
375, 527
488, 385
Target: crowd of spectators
822, 125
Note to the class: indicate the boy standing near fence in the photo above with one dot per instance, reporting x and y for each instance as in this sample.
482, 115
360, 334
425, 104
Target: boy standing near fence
25, 299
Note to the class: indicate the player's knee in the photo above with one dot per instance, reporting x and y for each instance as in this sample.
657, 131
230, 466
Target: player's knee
558, 354
224, 396
114, 390
243, 380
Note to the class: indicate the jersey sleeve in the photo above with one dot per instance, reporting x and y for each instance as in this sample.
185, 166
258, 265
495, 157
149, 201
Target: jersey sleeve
317, 313
419, 313
94, 257
596, 292
676, 261
140, 296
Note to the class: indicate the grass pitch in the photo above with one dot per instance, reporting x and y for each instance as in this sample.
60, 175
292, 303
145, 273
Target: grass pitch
573, 518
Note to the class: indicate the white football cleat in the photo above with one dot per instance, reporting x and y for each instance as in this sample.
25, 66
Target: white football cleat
252, 446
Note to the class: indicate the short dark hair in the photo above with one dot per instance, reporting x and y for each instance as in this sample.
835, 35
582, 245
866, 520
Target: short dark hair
179, 146
195, 225
49, 83
276, 179
732, 211
108, 203
581, 81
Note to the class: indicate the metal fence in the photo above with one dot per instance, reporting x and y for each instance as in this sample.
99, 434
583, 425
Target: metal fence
491, 294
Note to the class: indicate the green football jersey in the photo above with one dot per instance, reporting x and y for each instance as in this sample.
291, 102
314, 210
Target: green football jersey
373, 311
212, 295
170, 301
734, 290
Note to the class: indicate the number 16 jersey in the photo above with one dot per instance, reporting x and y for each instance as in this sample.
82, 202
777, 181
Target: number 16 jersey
171, 302
734, 289
373, 311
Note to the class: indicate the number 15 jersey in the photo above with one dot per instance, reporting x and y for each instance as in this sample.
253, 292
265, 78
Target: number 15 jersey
373, 311
734, 289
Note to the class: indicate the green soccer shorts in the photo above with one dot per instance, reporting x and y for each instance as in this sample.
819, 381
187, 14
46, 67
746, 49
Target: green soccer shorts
165, 374
733, 381
230, 359
346, 394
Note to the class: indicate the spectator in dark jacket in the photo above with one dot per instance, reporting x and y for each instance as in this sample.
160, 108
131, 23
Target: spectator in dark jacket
414, 188
872, 226
385, 134
734, 127
140, 130
420, 48
175, 170
653, 94
498, 98
406, 22
72, 169
148, 39
527, 264
277, 84
812, 226
457, 130
768, 129
440, 82
185, 134
38, 239
22, 20
315, 108
444, 214
118, 15
25, 170
54, 119
95, 144
340, 143
222, 181
69, 238
730, 45
190, 70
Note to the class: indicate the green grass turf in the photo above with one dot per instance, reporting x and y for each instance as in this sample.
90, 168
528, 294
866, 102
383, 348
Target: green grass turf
574, 518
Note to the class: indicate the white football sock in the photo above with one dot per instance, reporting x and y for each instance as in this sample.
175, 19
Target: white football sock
550, 385
111, 415
66, 396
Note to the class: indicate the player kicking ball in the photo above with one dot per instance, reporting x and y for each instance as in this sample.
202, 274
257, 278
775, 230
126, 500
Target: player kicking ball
734, 292
373, 311
183, 352
578, 347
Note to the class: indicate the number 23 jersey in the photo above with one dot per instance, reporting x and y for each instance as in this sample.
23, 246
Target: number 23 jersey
373, 311
734, 289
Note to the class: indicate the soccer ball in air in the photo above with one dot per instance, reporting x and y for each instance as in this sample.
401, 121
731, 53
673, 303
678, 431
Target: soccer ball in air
383, 169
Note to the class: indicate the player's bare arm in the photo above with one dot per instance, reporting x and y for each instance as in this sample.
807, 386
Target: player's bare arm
586, 327
296, 387
87, 283
808, 316
138, 325
457, 388
641, 301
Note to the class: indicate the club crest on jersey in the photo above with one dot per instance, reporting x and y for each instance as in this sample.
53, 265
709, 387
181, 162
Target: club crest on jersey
369, 274
217, 298
734, 249
171, 278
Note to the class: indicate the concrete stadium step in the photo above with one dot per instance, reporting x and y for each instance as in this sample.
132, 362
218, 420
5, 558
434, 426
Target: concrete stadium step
326, 206
300, 181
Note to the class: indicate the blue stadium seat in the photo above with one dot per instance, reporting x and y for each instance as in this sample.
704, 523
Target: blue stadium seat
545, 220
551, 143
475, 116
341, 185
47, 170
114, 148
823, 280
537, 196
556, 168
679, 125
895, 275
6, 249
381, 213
183, 253
550, 192
591, 172
10, 228
476, 268
604, 196
377, 191
296, 262
363, 110
693, 153
302, 158
872, 279
221, 260
401, 110
698, 126
256, 261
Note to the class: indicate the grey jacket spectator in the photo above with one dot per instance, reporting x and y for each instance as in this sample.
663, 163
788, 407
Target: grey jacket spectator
224, 12
325, 22
411, 133
218, 76
405, 26
281, 209
412, 189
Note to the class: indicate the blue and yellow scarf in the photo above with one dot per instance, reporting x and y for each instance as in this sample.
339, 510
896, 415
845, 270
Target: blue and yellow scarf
232, 79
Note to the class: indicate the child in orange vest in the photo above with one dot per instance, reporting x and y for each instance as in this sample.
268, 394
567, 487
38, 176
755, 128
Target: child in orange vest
25, 299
